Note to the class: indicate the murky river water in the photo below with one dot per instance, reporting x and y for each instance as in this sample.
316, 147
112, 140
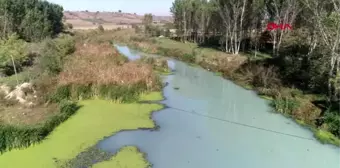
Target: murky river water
213, 123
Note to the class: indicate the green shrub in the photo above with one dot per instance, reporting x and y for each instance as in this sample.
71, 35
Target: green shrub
65, 44
189, 58
333, 122
285, 105
62, 93
50, 62
23, 136
83, 92
54, 52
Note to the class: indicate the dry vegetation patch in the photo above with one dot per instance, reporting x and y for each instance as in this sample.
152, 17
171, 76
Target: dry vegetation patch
101, 64
18, 115
224, 63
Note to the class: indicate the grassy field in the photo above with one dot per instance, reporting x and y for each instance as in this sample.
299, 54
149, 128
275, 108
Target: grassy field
95, 120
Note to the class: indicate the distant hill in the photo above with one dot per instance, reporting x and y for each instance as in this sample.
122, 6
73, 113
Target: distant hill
92, 19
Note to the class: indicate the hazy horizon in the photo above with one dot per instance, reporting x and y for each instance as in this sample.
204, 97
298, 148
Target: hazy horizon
140, 7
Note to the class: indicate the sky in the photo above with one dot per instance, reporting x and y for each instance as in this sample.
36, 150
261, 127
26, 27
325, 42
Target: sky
157, 7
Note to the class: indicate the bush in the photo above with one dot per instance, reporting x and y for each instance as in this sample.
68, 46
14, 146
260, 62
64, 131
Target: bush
285, 105
189, 58
259, 76
65, 44
23, 136
332, 119
101, 28
12, 48
54, 52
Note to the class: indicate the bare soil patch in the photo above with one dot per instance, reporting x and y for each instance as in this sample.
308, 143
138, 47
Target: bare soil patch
18, 115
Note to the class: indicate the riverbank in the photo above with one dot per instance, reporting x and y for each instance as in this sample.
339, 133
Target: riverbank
248, 73
97, 91
95, 120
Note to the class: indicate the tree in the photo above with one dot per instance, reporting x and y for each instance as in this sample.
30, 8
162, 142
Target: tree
232, 13
283, 12
120, 11
327, 22
12, 52
178, 12
147, 22
31, 19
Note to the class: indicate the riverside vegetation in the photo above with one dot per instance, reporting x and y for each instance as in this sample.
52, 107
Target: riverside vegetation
84, 90
297, 69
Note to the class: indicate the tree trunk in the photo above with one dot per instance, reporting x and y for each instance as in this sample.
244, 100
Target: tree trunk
226, 41
274, 42
15, 70
184, 26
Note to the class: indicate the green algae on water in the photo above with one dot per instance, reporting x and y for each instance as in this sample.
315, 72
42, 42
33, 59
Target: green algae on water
127, 157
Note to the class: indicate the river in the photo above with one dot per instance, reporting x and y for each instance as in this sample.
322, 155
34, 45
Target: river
211, 122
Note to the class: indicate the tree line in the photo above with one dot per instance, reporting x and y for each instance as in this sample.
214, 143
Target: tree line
309, 54
31, 20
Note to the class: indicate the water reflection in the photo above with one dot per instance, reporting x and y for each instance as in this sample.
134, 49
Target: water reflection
131, 54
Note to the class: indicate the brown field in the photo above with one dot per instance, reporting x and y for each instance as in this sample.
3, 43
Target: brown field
105, 26
83, 20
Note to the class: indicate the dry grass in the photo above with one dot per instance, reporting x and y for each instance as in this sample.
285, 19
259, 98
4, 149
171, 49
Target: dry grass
222, 62
306, 112
18, 115
101, 64
94, 36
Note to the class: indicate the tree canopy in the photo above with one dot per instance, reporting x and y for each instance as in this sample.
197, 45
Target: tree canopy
32, 20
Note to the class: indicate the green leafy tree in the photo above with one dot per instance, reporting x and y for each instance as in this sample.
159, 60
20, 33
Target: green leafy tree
12, 53
32, 20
